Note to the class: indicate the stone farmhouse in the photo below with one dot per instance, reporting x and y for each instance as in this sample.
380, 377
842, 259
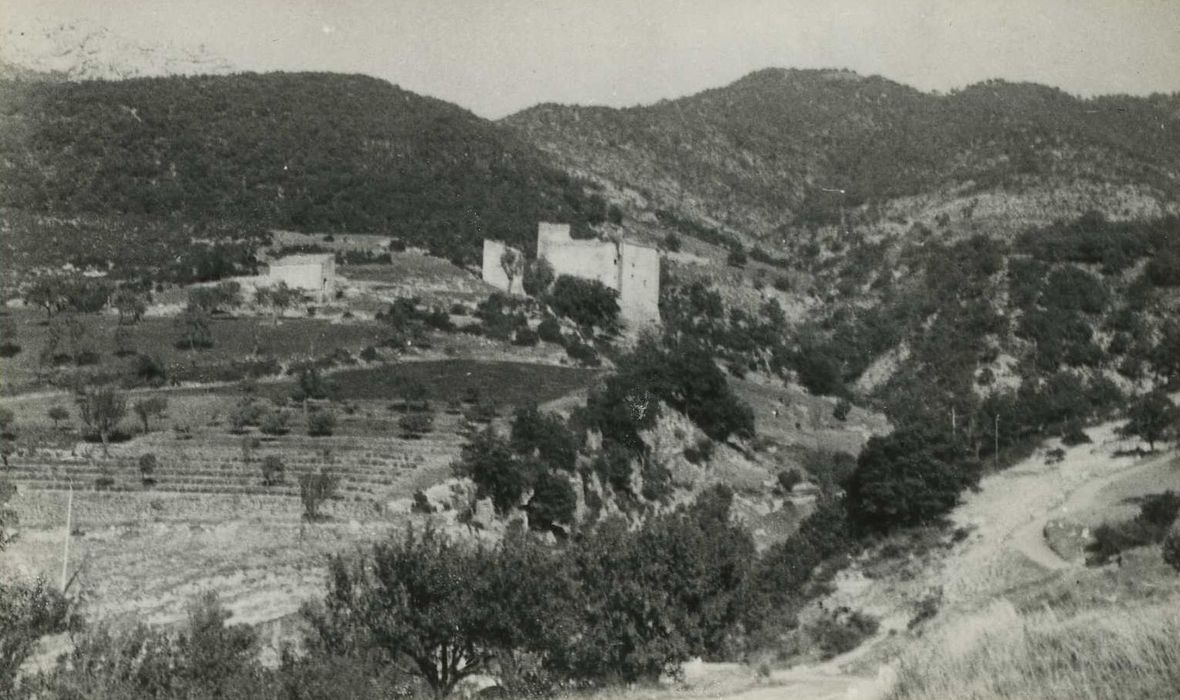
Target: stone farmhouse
631, 269
314, 273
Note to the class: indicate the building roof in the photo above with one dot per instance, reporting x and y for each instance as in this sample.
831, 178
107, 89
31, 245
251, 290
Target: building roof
303, 259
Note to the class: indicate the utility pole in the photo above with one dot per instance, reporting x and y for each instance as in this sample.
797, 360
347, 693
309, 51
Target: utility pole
65, 554
996, 453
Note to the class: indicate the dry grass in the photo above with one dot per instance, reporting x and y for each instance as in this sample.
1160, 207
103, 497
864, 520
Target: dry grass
1114, 651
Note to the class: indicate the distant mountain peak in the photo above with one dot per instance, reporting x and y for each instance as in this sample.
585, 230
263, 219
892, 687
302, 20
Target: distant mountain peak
81, 51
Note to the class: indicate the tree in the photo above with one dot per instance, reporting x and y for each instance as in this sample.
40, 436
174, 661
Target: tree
488, 461
101, 408
193, 324
538, 275
545, 437
272, 470
910, 477
130, 305
511, 263
57, 414
553, 502
147, 469
27, 613
1151, 417
279, 298
48, 293
441, 610
146, 409
314, 489
588, 303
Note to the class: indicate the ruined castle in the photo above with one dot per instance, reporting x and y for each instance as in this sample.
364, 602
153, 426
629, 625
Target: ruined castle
631, 269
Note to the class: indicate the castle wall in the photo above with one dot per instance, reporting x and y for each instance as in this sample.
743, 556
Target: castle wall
631, 270
493, 272
639, 284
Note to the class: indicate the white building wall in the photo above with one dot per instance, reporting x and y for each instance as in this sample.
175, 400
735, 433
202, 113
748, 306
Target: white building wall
639, 284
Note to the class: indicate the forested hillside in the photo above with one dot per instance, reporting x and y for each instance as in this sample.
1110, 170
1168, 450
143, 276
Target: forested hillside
775, 148
311, 152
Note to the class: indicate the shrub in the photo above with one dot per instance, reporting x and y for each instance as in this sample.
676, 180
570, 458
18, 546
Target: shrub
57, 414
549, 330
1171, 548
274, 422
421, 503
320, 423
525, 336
1072, 434
672, 243
700, 451
1157, 513
150, 370
415, 425
582, 353
272, 470
736, 257
788, 479
841, 410
841, 633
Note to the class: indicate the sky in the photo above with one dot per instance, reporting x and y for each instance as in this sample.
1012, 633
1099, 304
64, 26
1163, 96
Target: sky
496, 57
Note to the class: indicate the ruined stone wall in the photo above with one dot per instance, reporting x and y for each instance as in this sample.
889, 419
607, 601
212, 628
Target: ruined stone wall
318, 277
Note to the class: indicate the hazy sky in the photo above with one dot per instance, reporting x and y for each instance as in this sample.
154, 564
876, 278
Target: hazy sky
497, 56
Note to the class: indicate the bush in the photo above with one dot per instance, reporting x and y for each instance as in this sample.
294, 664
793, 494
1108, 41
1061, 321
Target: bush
582, 353
736, 257
842, 632
788, 479
1172, 547
672, 243
910, 477
525, 336
415, 425
700, 451
549, 330
320, 423
544, 437
1157, 514
421, 503
272, 470
275, 422
841, 410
